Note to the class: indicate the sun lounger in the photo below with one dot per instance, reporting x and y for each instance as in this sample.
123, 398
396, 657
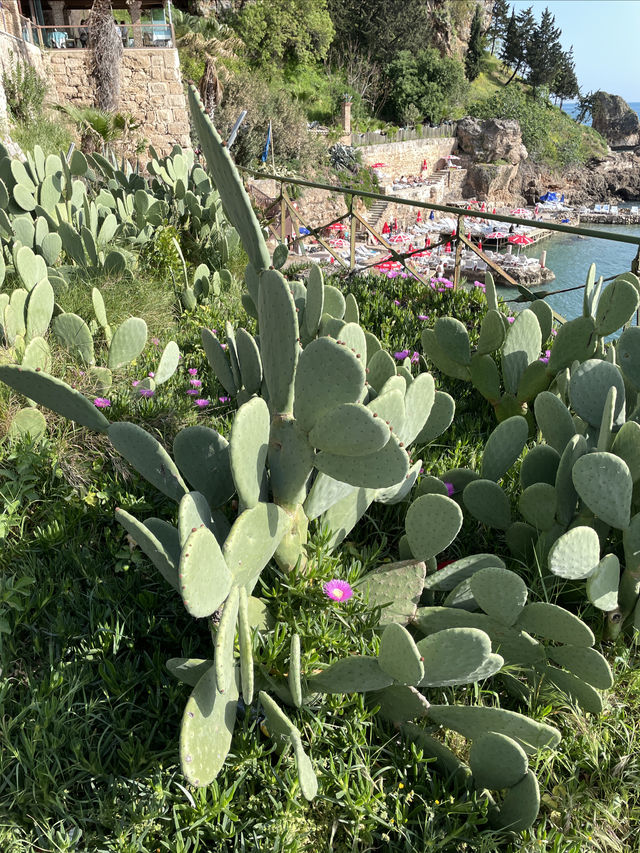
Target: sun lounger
634, 210
605, 208
597, 208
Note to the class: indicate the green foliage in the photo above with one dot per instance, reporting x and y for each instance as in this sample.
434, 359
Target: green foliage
285, 30
475, 48
550, 135
425, 81
25, 91
292, 144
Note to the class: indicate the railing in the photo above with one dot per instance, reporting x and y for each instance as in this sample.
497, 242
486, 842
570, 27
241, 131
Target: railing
355, 221
405, 134
134, 36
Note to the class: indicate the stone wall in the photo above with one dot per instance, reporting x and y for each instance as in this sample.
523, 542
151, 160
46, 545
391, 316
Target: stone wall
406, 158
151, 90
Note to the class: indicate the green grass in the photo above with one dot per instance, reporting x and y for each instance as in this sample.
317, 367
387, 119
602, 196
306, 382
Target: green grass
90, 716
51, 134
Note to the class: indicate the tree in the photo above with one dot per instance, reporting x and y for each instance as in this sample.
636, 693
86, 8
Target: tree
499, 22
207, 39
543, 52
105, 55
514, 45
276, 31
381, 28
565, 83
475, 50
423, 84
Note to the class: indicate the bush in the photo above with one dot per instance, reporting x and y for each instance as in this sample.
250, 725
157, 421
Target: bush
292, 143
424, 85
25, 91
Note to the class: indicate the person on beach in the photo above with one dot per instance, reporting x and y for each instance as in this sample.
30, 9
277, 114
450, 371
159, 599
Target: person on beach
83, 32
124, 32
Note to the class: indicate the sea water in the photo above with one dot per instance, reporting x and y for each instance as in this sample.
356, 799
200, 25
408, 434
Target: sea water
570, 256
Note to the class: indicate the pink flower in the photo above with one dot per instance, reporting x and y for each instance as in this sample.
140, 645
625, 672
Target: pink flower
146, 392
450, 488
193, 391
155, 342
337, 590
422, 317
223, 399
192, 371
400, 356
396, 302
415, 358
102, 403
151, 374
201, 404
554, 332
214, 331
135, 383
195, 382
511, 320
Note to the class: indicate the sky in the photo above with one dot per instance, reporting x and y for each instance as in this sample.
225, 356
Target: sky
605, 35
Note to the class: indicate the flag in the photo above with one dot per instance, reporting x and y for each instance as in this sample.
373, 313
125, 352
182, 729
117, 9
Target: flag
265, 153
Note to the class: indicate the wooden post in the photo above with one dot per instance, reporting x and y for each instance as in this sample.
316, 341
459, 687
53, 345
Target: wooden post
456, 269
352, 237
283, 214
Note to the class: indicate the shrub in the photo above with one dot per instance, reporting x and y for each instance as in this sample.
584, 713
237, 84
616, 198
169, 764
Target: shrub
25, 91
424, 84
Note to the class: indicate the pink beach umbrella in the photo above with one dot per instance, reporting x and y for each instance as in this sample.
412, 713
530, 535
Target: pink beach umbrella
495, 235
520, 240
521, 212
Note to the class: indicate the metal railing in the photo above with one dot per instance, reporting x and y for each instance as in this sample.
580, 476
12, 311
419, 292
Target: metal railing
355, 221
404, 134
76, 37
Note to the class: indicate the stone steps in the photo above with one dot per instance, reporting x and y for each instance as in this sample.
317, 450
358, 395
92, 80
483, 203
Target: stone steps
376, 212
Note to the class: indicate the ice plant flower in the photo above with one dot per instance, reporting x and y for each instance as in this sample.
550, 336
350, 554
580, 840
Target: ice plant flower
415, 358
223, 399
396, 302
422, 317
195, 382
400, 356
193, 391
151, 374
146, 392
155, 342
450, 488
102, 403
193, 371
135, 383
201, 404
337, 590
511, 319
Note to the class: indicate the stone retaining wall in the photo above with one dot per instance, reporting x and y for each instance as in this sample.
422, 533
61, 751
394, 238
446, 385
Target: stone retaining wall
14, 49
151, 90
406, 158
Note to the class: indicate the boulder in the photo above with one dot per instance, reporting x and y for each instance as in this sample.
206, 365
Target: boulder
490, 181
490, 140
614, 119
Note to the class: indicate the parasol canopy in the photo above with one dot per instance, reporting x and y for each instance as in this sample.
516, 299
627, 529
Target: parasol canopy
520, 240
495, 235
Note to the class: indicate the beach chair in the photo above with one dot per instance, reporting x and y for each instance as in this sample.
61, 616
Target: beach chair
606, 208
614, 209
597, 208
634, 210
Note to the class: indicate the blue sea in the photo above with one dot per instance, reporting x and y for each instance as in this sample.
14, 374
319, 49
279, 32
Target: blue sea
571, 107
570, 256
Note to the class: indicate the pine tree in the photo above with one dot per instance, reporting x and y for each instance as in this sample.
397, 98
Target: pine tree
565, 83
544, 52
499, 22
475, 50
516, 39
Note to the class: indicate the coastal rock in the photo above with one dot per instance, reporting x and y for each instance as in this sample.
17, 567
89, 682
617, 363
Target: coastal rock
492, 181
614, 119
491, 140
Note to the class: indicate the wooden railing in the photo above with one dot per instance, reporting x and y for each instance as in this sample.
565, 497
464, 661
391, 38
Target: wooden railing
353, 221
404, 134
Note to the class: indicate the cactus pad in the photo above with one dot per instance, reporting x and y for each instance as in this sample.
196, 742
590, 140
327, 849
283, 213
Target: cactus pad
497, 762
452, 655
432, 523
396, 588
503, 447
473, 722
248, 450
203, 457
205, 580
207, 727
378, 470
554, 623
350, 429
602, 584
487, 502
399, 656
128, 341
151, 545
356, 673
252, 541
500, 593
604, 483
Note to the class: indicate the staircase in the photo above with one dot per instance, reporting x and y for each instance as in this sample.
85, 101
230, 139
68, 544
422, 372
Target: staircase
376, 212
